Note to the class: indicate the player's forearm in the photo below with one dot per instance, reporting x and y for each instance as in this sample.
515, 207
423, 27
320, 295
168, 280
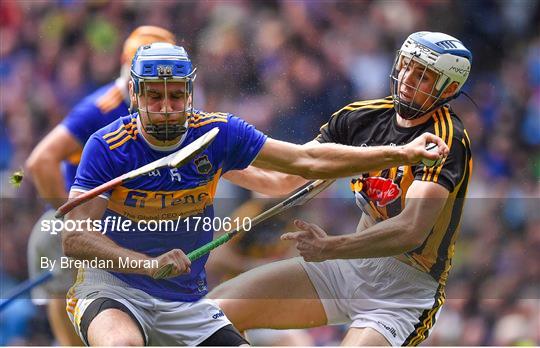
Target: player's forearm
388, 238
90, 245
329, 161
48, 179
271, 183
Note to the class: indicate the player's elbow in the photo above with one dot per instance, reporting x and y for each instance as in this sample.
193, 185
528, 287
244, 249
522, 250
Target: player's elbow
289, 186
32, 165
412, 238
411, 244
37, 163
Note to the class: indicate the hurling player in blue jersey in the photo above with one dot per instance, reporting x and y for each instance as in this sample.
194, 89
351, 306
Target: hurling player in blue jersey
117, 299
52, 166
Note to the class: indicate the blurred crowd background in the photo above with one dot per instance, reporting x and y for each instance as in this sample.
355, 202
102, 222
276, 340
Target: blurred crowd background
286, 66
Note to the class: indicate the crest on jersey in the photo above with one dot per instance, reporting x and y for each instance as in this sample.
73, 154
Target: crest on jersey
203, 164
381, 190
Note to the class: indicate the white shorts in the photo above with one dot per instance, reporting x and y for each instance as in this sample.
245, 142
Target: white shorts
395, 299
179, 323
271, 337
44, 244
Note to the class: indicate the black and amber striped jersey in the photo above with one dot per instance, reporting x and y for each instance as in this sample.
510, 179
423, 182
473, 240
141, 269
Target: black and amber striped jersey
372, 123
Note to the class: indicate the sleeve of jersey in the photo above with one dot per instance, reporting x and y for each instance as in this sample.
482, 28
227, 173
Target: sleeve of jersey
450, 172
82, 121
243, 144
96, 167
335, 131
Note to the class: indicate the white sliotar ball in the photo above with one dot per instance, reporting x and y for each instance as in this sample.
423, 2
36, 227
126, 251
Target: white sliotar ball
431, 147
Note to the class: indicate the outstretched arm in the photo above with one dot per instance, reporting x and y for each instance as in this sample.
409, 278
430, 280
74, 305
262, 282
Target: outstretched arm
267, 182
329, 161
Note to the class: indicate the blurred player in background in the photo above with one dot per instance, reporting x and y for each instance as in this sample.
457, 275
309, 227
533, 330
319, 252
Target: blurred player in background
388, 279
124, 304
53, 164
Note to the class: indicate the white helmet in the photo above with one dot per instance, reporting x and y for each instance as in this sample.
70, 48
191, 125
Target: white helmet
441, 53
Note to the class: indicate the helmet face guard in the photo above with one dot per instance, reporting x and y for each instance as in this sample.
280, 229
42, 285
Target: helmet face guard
410, 109
157, 71
437, 54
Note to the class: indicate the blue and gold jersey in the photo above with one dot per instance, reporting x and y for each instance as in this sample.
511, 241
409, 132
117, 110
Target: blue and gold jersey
166, 194
94, 112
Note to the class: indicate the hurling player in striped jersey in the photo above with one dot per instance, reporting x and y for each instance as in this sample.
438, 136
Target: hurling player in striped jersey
52, 166
387, 279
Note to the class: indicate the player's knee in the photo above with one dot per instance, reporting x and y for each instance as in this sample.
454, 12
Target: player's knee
107, 322
119, 340
115, 337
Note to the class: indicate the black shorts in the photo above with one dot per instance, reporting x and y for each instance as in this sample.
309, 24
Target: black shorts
226, 336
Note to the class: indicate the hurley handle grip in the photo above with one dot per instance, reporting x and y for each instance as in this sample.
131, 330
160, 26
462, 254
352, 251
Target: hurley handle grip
205, 249
165, 270
196, 254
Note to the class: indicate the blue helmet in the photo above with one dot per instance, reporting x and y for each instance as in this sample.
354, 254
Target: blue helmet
440, 53
166, 63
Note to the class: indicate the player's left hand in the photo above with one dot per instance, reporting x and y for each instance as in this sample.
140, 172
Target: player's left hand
311, 241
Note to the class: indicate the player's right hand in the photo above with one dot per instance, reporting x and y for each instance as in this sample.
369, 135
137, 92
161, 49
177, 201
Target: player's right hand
171, 264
